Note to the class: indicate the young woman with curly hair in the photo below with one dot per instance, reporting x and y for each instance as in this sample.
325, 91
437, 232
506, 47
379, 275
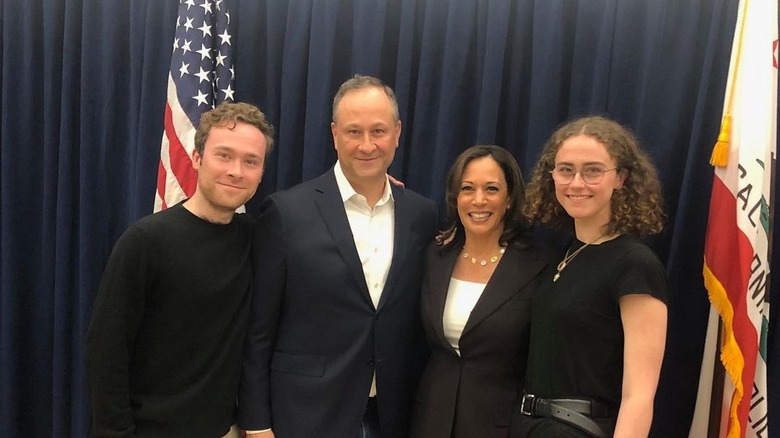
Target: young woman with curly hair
598, 326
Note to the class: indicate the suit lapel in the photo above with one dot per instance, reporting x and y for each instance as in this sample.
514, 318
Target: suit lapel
331, 208
515, 270
439, 275
402, 235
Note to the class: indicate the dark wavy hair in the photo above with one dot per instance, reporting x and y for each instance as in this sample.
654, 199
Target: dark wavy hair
636, 208
228, 114
516, 230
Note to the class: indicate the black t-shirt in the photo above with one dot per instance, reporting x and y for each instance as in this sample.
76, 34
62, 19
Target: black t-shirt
576, 345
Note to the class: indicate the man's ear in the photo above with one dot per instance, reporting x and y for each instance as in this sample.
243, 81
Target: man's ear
196, 157
333, 133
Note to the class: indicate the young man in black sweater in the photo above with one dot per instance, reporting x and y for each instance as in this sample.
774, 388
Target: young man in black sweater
164, 344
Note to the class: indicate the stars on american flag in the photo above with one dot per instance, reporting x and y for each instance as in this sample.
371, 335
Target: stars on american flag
200, 77
201, 62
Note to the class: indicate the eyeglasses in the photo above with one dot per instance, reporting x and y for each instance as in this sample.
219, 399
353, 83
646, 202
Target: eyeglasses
564, 174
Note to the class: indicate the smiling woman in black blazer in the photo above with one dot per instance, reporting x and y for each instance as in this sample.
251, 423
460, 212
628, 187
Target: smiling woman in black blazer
476, 300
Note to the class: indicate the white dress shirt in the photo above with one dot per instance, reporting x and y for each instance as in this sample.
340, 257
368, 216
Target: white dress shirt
373, 230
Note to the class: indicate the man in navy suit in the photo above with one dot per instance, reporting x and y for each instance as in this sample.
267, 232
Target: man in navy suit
335, 348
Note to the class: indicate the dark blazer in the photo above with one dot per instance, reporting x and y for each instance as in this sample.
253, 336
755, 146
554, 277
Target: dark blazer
314, 339
472, 395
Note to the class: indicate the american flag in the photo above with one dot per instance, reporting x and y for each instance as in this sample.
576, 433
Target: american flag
201, 76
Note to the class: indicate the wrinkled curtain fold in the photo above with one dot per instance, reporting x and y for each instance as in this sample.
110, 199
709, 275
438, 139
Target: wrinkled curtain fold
83, 88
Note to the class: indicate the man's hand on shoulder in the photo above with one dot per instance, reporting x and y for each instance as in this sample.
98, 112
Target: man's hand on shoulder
264, 434
395, 182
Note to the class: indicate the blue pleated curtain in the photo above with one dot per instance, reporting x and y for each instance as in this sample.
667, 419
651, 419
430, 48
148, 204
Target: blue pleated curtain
82, 89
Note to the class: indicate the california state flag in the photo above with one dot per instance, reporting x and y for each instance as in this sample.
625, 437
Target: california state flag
737, 249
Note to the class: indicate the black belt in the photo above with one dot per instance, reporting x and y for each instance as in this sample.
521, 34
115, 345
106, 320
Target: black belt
572, 411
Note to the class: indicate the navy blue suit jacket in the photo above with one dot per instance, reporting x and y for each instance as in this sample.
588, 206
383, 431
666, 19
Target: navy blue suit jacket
315, 339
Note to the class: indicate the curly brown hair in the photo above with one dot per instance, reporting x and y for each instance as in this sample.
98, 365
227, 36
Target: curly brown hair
636, 208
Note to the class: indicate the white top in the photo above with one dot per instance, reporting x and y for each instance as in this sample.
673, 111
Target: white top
462, 296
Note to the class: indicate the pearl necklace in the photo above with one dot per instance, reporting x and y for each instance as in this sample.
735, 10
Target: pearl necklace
493, 259
568, 258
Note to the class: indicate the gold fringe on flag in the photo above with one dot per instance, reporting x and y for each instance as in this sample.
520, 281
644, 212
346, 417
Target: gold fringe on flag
720, 152
730, 354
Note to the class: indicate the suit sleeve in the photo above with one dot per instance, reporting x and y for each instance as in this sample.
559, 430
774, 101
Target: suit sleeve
270, 272
116, 318
434, 215
430, 225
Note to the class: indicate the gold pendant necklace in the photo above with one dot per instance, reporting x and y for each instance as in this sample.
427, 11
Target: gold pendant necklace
568, 258
484, 262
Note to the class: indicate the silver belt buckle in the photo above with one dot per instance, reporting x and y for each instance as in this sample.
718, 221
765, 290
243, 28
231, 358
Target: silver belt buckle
530, 398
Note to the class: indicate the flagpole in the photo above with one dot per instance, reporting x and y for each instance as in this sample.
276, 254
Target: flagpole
718, 386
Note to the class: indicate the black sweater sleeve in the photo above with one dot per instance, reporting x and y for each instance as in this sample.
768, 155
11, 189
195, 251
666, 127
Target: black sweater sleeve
116, 318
